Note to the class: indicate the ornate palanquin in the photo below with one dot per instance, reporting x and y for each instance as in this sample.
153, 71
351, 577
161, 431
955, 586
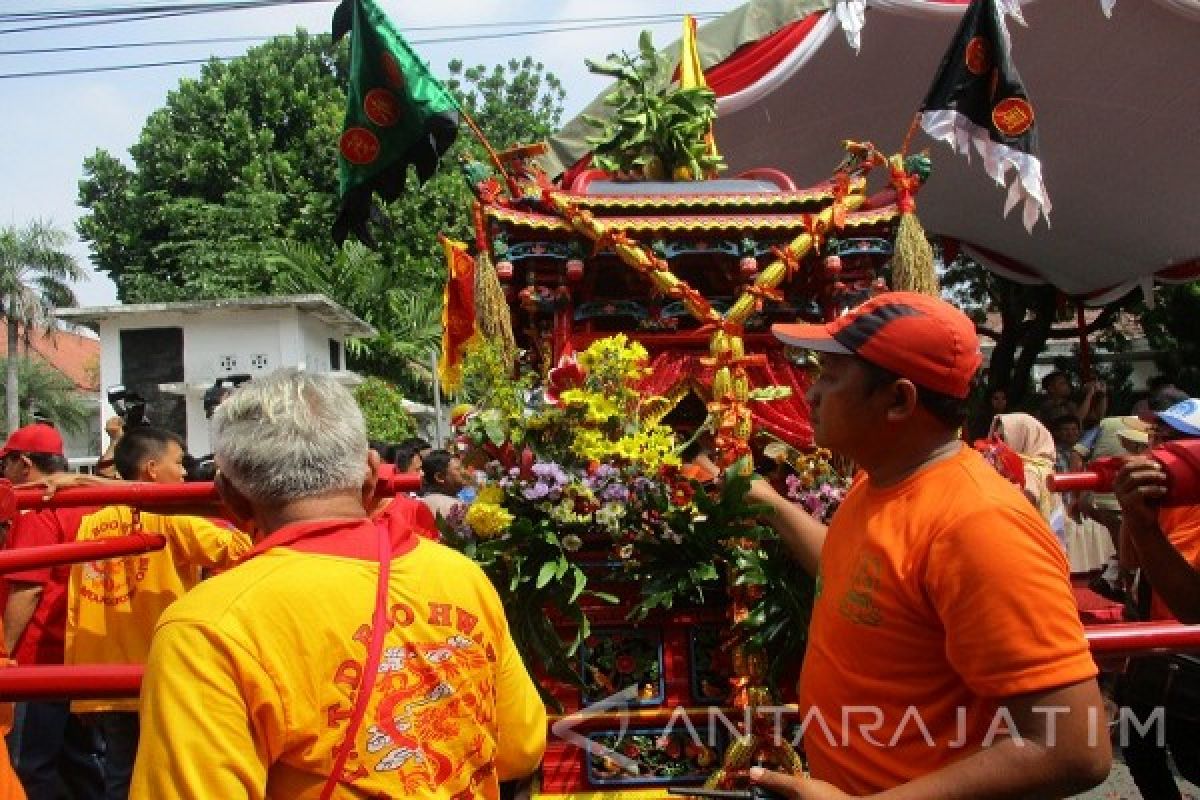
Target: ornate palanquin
567, 288
697, 272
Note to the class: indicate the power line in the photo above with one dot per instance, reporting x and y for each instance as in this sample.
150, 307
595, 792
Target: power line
443, 40
185, 11
179, 10
644, 19
124, 45
105, 11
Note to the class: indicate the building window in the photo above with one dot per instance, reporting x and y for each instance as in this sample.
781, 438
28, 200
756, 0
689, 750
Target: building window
335, 355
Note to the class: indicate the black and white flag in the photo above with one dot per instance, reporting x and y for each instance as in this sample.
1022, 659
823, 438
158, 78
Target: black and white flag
978, 98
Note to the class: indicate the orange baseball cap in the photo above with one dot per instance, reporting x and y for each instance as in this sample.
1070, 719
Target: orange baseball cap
921, 338
35, 438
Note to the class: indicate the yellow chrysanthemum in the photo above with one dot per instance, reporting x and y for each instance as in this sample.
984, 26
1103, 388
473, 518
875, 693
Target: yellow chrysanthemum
488, 519
490, 494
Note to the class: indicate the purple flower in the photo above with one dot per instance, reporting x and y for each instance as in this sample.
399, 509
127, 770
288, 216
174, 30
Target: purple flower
536, 491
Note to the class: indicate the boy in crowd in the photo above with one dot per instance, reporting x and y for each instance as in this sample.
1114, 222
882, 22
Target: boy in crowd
115, 604
442, 480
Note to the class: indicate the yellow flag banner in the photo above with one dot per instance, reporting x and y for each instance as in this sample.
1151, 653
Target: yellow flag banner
691, 74
458, 312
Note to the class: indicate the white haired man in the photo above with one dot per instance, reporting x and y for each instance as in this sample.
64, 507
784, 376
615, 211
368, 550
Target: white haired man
344, 658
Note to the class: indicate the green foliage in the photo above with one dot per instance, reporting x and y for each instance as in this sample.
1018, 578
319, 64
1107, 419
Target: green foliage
243, 155
1029, 317
536, 600
1174, 335
382, 405
778, 621
35, 278
656, 130
515, 103
45, 390
233, 190
711, 537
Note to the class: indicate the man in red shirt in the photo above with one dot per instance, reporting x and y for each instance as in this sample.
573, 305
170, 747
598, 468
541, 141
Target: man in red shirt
48, 744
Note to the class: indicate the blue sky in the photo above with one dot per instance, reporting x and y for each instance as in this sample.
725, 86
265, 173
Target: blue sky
50, 124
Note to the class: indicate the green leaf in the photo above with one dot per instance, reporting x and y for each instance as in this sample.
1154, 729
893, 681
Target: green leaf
580, 583
546, 574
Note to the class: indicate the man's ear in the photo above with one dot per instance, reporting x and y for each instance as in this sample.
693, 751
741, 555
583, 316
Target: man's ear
902, 400
372, 479
26, 467
239, 507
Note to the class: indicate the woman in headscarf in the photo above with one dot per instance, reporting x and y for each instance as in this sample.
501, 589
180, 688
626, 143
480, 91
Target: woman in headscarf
1033, 443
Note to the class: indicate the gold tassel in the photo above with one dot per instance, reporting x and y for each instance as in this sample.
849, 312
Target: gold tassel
912, 259
493, 319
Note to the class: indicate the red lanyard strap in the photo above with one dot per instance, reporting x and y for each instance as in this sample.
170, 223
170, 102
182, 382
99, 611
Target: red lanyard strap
374, 655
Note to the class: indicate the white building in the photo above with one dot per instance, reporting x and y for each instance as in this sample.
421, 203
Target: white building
172, 353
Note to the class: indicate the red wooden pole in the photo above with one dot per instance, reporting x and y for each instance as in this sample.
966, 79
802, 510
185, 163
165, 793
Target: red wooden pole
141, 495
82, 681
52, 555
124, 680
145, 495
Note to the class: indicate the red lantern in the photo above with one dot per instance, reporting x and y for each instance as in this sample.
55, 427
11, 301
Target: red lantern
833, 264
748, 266
574, 269
504, 270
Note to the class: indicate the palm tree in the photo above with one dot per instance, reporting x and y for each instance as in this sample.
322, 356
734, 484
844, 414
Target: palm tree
47, 392
408, 319
35, 277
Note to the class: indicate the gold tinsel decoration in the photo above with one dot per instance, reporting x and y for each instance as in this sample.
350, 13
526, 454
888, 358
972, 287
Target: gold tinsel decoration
493, 319
912, 260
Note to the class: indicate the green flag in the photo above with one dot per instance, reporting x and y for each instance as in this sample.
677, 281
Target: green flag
397, 114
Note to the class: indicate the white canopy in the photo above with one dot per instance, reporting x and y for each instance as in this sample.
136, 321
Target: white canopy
1117, 100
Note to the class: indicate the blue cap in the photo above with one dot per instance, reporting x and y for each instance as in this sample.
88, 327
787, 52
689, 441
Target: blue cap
1183, 417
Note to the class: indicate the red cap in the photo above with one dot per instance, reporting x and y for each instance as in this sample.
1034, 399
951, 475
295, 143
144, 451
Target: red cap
35, 438
921, 338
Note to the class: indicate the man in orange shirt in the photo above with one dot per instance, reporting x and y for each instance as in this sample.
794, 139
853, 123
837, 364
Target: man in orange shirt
345, 657
1166, 545
945, 657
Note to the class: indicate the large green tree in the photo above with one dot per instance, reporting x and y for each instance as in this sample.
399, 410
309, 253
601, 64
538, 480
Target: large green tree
1172, 329
233, 189
235, 159
36, 274
1030, 316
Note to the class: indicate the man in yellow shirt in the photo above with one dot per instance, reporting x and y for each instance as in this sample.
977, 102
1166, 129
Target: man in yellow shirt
113, 605
344, 658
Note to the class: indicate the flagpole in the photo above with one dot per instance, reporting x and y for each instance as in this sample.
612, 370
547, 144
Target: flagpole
437, 400
491, 151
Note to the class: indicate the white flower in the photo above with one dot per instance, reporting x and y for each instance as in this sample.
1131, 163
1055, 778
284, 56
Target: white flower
571, 543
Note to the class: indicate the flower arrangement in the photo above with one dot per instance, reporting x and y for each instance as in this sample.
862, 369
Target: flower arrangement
813, 481
579, 479
582, 465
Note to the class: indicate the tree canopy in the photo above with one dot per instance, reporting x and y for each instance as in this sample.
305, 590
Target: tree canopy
36, 274
237, 173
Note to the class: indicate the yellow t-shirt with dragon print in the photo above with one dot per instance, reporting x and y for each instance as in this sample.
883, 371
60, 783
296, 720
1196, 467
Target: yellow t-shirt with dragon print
253, 677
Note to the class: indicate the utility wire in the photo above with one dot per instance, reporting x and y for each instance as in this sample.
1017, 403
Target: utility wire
443, 40
186, 11
638, 20
181, 10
